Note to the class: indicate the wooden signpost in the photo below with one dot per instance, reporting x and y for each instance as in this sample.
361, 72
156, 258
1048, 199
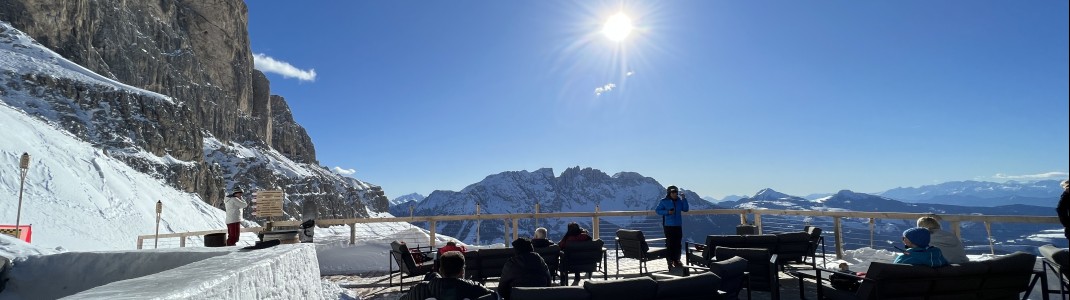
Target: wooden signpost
268, 203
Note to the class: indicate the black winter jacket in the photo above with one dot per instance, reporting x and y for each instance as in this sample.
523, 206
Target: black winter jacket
524, 270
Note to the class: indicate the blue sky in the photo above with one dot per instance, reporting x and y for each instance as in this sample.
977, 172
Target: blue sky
723, 97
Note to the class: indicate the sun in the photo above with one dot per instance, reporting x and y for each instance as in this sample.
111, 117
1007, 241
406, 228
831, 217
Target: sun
617, 27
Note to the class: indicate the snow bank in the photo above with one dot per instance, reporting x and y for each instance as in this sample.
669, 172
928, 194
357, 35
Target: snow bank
59, 275
83, 200
281, 272
10, 248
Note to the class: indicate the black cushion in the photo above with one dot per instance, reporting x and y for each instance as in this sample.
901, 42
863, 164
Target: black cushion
1007, 275
633, 288
895, 280
792, 246
762, 276
961, 279
542, 293
581, 256
491, 261
764, 241
701, 286
731, 273
1060, 257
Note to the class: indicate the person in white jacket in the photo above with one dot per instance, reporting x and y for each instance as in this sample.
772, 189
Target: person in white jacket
234, 205
950, 244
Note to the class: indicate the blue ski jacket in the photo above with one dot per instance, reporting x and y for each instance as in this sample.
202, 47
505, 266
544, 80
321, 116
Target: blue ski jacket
929, 256
674, 219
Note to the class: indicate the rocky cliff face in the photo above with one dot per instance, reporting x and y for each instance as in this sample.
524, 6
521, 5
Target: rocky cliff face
198, 54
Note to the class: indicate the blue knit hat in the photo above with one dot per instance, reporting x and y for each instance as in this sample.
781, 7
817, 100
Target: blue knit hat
918, 235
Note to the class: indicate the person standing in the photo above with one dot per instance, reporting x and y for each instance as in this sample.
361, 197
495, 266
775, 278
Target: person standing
1064, 208
670, 208
234, 205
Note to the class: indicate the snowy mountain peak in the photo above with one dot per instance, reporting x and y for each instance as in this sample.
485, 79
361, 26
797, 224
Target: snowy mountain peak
769, 194
414, 197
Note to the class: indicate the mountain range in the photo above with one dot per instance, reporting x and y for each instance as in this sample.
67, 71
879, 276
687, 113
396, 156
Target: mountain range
581, 189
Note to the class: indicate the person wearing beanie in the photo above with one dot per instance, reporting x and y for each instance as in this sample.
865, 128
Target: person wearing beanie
669, 209
234, 205
525, 269
949, 244
919, 252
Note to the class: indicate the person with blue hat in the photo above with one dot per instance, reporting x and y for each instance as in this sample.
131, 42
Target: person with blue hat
919, 252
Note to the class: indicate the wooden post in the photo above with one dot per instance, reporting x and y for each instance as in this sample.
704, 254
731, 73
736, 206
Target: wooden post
515, 229
536, 215
353, 233
182, 241
991, 241
434, 226
872, 223
410, 210
839, 237
956, 228
506, 238
140, 240
479, 221
758, 222
743, 219
159, 210
594, 223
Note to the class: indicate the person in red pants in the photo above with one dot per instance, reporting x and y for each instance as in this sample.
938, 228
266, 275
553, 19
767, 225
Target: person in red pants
234, 205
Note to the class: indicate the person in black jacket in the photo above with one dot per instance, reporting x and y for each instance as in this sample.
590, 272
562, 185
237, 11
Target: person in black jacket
526, 269
1064, 208
449, 282
540, 240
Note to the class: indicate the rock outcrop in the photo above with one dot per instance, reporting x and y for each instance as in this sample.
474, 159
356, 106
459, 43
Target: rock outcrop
197, 53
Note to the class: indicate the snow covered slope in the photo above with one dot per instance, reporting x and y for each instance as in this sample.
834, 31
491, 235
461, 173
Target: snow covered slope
78, 198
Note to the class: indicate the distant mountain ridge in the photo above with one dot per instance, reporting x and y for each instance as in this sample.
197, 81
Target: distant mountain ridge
575, 190
980, 193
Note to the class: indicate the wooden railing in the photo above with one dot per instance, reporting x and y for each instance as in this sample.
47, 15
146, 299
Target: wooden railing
511, 221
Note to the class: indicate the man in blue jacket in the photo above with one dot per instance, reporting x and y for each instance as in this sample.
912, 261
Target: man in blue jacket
919, 252
670, 209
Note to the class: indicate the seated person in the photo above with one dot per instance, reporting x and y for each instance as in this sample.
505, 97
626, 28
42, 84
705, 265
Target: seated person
919, 252
451, 246
448, 283
525, 269
540, 240
574, 233
949, 244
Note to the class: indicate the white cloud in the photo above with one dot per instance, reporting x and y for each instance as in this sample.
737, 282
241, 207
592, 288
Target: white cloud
1041, 176
344, 172
605, 88
267, 64
629, 74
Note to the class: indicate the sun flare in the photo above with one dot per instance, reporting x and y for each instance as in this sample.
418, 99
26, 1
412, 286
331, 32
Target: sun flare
617, 27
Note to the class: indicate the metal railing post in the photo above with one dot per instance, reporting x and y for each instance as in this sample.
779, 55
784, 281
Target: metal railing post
839, 237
